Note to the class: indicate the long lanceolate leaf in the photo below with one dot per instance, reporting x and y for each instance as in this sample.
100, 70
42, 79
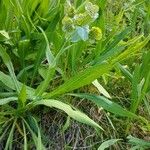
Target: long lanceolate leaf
137, 141
107, 104
7, 80
107, 144
112, 49
49, 55
9, 65
10, 137
130, 51
140, 83
101, 89
7, 100
25, 137
118, 38
135, 95
125, 72
51, 70
43, 86
72, 112
83, 78
95, 71
36, 138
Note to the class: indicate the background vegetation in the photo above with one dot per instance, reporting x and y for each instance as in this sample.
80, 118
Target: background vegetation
74, 74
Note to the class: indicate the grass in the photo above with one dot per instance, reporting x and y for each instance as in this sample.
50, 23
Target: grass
90, 60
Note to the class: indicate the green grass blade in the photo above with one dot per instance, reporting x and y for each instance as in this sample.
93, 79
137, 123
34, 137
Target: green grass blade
137, 141
135, 93
81, 79
108, 143
5, 128
129, 52
101, 88
118, 38
114, 51
9, 65
7, 94
125, 72
49, 55
108, 105
25, 145
36, 138
51, 70
7, 100
7, 80
10, 137
43, 85
22, 96
39, 57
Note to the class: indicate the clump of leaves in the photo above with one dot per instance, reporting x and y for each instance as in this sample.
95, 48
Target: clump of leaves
44, 45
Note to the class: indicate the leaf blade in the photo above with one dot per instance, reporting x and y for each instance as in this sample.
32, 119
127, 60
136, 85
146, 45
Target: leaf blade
106, 104
72, 112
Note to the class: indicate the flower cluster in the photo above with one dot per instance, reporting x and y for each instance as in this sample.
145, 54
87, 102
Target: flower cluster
75, 18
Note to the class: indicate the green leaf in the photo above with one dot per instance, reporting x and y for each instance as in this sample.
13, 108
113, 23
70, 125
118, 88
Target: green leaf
106, 104
101, 89
51, 70
83, 78
5, 34
7, 94
131, 50
107, 144
7, 100
116, 50
137, 148
135, 93
25, 146
43, 85
66, 125
49, 54
9, 65
137, 141
10, 137
71, 111
125, 72
22, 96
118, 38
36, 138
7, 80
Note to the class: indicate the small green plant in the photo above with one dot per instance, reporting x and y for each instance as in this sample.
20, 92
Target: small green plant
140, 80
51, 48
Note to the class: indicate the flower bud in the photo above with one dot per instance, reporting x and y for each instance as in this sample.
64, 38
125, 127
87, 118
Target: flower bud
67, 24
83, 19
92, 10
95, 33
69, 9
